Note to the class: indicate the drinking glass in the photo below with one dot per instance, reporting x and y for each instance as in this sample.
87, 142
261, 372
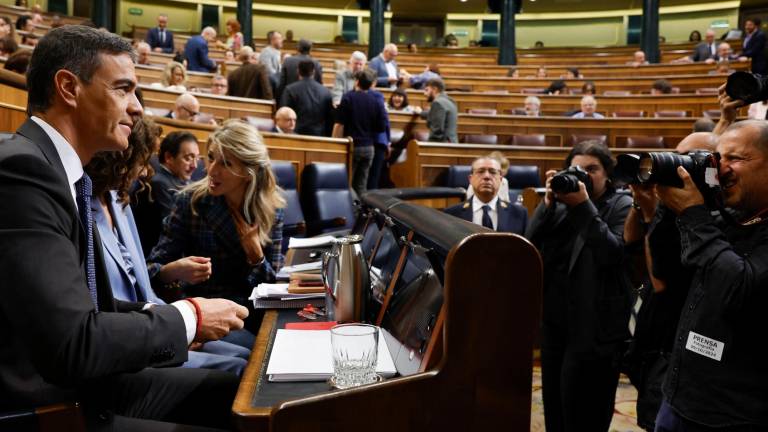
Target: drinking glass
355, 351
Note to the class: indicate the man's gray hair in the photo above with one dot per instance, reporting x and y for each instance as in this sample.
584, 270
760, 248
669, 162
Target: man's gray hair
358, 55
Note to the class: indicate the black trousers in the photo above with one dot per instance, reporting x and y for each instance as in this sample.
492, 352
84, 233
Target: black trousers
374, 174
578, 391
160, 399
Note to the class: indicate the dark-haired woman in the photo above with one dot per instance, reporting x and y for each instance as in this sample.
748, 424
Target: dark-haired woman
398, 101
112, 174
586, 293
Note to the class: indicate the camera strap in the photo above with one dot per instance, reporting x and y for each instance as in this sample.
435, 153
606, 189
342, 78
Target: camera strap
760, 217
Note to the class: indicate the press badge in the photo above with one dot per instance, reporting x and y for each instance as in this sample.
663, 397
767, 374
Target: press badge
705, 346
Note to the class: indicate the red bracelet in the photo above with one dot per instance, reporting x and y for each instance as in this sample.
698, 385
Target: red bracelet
199, 314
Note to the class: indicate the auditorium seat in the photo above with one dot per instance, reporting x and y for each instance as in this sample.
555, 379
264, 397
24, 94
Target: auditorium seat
617, 93
262, 124
532, 140
326, 198
521, 177
617, 114
486, 111
670, 113
712, 113
458, 176
293, 223
645, 142
707, 91
575, 139
481, 139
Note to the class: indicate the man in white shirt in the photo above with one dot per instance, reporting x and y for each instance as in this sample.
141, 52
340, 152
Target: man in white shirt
68, 338
270, 54
484, 207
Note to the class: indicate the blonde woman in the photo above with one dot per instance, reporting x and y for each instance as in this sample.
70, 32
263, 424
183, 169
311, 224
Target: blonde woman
174, 77
225, 229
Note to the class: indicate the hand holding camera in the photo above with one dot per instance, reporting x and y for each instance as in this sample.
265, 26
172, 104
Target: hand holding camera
570, 186
679, 199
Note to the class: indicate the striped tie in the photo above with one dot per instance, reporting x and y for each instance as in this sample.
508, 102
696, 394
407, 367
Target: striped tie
83, 189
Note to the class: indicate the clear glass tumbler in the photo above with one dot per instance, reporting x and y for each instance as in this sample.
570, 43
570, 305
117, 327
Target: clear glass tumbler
355, 351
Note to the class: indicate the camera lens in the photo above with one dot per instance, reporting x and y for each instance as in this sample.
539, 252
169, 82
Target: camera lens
748, 87
565, 183
661, 168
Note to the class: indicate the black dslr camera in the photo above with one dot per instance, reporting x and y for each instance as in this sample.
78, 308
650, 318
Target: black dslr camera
748, 87
567, 180
661, 168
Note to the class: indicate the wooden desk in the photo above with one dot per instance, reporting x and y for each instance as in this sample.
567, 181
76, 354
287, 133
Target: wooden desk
483, 377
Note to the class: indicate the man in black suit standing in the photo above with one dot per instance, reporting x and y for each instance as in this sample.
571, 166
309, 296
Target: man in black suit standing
66, 337
486, 208
753, 46
289, 74
160, 38
311, 101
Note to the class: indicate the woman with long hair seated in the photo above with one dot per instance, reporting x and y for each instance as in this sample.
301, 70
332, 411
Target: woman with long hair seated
112, 174
227, 226
174, 77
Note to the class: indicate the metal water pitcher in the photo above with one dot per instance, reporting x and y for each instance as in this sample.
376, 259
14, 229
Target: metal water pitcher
346, 279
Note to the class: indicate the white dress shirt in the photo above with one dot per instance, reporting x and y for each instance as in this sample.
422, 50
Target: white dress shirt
73, 168
477, 211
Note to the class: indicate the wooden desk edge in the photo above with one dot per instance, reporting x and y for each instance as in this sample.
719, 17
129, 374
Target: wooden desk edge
242, 408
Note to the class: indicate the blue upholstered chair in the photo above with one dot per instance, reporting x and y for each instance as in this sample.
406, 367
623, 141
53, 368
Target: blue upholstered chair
293, 224
326, 198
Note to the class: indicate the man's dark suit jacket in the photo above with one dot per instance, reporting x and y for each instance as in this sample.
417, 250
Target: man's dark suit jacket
153, 39
313, 104
289, 74
755, 50
250, 81
512, 218
196, 52
56, 346
702, 51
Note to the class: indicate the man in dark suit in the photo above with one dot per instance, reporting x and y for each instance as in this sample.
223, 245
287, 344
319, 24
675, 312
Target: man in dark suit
311, 101
289, 74
706, 49
385, 67
251, 80
754, 44
196, 51
485, 207
160, 38
66, 337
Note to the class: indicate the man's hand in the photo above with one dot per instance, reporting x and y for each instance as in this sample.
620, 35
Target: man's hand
680, 199
549, 196
191, 269
158, 49
220, 316
644, 197
417, 110
728, 107
573, 199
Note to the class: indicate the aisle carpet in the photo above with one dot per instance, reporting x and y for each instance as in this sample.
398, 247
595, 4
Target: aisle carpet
624, 417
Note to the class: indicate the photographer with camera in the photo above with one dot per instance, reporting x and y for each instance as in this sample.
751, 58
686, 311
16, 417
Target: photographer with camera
716, 378
653, 228
578, 230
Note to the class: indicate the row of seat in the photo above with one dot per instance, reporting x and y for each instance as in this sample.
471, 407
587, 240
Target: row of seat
712, 113
538, 140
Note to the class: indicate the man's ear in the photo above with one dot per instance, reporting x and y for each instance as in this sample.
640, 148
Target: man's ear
66, 87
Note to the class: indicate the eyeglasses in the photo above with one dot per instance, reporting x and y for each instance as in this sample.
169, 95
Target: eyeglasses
191, 112
491, 171
222, 85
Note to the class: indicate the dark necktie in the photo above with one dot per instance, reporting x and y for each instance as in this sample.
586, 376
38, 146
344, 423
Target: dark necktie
83, 197
487, 222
